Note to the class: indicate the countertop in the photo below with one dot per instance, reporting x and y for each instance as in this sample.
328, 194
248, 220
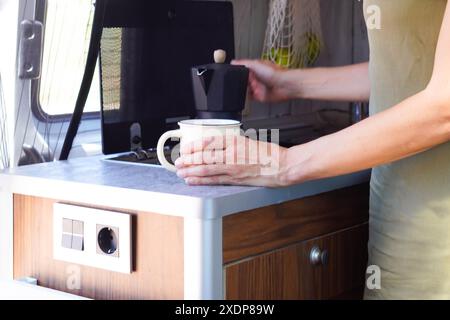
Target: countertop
96, 181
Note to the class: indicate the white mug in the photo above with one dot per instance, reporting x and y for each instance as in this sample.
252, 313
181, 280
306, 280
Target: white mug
196, 130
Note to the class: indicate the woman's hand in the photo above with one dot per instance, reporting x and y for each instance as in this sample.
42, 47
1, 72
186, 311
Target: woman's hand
265, 81
271, 83
231, 161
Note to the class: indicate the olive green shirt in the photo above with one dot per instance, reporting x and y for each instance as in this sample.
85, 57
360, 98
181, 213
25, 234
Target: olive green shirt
410, 199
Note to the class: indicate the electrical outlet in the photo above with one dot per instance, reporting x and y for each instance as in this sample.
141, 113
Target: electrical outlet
108, 240
92, 237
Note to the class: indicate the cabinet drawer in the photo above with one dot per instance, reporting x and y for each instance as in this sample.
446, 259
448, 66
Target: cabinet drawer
254, 232
288, 273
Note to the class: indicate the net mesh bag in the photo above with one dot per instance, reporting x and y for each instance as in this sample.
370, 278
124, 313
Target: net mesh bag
294, 33
111, 55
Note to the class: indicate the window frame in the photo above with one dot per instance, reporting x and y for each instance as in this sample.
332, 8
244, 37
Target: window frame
36, 107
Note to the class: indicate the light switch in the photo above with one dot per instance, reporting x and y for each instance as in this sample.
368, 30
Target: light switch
66, 237
72, 234
66, 241
78, 227
78, 235
78, 243
67, 226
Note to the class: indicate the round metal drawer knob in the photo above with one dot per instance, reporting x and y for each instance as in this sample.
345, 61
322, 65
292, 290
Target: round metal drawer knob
318, 257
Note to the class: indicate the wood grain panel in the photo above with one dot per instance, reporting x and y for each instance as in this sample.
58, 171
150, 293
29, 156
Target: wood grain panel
158, 244
256, 231
288, 274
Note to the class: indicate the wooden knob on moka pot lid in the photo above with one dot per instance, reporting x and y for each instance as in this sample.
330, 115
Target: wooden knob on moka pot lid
220, 56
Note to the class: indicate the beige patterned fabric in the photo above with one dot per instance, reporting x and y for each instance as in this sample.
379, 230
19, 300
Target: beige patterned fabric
410, 199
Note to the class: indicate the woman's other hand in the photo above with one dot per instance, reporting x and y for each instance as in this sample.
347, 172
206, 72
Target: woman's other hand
265, 81
232, 161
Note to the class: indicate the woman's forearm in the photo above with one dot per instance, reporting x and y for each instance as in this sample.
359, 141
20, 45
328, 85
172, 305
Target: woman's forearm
347, 83
415, 125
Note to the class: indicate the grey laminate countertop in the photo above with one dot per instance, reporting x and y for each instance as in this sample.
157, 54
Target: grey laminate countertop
96, 181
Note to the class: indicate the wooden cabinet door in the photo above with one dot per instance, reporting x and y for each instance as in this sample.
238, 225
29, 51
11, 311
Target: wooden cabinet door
288, 273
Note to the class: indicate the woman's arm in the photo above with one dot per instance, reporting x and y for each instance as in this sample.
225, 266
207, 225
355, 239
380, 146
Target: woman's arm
347, 83
415, 125
269, 83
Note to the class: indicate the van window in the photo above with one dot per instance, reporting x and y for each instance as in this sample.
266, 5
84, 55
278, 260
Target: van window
67, 32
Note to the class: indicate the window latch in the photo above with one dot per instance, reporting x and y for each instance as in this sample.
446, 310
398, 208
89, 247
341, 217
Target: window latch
30, 49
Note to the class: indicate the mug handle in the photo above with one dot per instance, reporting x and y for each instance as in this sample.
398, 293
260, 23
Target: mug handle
160, 149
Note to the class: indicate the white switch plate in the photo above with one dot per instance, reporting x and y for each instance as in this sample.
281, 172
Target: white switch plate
92, 218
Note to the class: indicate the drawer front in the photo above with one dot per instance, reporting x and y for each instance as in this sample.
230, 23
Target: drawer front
337, 270
255, 232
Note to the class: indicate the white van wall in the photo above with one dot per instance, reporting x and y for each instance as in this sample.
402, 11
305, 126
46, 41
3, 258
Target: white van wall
44, 138
9, 10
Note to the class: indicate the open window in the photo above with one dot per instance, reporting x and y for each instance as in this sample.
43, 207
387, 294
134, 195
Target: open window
67, 29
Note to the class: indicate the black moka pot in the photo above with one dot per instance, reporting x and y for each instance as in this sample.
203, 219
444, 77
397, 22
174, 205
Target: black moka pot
220, 89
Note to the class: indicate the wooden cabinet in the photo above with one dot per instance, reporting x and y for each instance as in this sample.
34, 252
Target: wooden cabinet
158, 256
288, 273
266, 251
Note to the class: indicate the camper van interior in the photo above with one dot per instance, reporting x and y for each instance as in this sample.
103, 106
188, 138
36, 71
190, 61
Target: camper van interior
90, 205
